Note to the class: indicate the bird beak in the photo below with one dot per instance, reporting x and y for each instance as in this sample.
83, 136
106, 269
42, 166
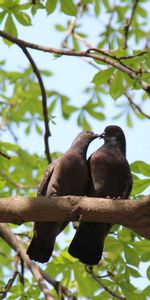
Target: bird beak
102, 135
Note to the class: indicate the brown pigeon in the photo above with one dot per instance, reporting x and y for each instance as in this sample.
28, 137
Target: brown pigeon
110, 177
68, 175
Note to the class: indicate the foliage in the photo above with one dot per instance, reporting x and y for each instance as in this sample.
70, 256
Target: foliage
122, 39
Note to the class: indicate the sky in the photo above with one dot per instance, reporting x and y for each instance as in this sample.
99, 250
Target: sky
71, 76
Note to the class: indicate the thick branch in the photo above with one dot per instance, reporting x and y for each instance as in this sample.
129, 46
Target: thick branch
134, 214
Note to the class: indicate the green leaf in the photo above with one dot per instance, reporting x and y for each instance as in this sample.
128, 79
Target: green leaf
133, 272
141, 167
38, 129
2, 15
60, 27
148, 272
10, 28
139, 185
129, 120
95, 114
50, 6
103, 76
9, 146
23, 18
68, 7
124, 235
116, 85
131, 256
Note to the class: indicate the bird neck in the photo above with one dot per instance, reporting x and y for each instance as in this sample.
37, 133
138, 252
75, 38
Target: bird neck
81, 149
117, 145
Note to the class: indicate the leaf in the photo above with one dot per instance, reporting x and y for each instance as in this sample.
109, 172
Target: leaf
95, 114
124, 235
103, 76
129, 120
139, 185
10, 28
60, 27
148, 272
23, 18
133, 272
50, 6
68, 7
38, 129
9, 146
131, 256
116, 85
141, 167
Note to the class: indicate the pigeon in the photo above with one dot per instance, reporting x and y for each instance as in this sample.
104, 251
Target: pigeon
68, 175
110, 177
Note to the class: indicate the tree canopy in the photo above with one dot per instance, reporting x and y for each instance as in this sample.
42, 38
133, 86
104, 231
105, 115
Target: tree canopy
112, 37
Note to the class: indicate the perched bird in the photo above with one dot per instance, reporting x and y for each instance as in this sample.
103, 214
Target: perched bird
68, 175
110, 176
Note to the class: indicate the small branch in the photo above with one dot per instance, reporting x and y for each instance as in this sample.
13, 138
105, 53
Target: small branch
106, 288
18, 185
135, 106
129, 213
12, 240
44, 102
15, 243
70, 31
128, 23
4, 155
8, 286
132, 74
60, 289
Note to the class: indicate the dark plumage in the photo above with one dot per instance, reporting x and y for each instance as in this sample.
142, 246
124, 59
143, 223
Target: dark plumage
110, 177
68, 175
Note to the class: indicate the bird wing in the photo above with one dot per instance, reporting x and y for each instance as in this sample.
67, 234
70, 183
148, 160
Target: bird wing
42, 188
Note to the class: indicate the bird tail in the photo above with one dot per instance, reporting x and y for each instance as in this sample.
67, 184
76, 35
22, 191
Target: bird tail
88, 242
42, 244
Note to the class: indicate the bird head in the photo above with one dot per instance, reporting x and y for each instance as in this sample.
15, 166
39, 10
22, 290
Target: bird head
114, 135
84, 138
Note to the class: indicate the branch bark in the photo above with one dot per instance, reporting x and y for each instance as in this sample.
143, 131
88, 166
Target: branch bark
134, 214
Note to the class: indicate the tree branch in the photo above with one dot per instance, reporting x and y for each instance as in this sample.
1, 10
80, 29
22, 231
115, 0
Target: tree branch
44, 102
18, 185
100, 282
135, 106
134, 214
12, 240
21, 43
128, 23
37, 272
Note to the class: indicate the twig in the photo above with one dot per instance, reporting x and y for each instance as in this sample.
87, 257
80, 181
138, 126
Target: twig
128, 23
18, 185
44, 102
8, 286
37, 272
70, 31
60, 289
135, 106
12, 240
132, 74
4, 155
105, 52
106, 288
